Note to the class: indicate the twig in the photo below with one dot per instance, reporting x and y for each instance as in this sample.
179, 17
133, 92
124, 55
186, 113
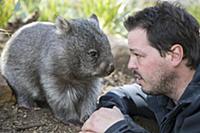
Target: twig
28, 127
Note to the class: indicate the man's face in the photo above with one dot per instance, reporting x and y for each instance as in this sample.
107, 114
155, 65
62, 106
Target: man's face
150, 70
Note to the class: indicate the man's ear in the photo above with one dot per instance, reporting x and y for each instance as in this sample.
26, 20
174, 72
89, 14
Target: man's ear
176, 54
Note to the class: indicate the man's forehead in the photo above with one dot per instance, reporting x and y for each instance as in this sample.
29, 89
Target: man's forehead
137, 38
137, 32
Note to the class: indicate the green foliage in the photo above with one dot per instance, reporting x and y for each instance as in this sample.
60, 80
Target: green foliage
195, 10
6, 10
111, 13
48, 9
106, 10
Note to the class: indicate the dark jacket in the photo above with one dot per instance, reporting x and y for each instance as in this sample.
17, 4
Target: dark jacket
184, 117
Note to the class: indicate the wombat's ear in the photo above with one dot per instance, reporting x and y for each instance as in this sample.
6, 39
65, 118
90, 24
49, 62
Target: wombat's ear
94, 19
62, 25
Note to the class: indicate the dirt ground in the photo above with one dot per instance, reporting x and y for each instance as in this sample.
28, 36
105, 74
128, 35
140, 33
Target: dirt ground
40, 120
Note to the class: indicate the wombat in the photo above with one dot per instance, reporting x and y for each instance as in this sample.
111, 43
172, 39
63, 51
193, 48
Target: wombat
60, 63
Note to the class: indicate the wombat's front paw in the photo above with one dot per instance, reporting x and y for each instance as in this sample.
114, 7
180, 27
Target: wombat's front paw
74, 122
24, 103
69, 121
84, 118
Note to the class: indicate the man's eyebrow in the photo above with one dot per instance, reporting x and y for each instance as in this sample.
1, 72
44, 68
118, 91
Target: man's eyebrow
136, 51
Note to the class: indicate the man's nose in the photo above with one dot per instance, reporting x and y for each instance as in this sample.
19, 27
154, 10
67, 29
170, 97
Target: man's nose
132, 64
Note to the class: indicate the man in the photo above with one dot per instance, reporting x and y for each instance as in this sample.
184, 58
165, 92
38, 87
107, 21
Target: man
164, 45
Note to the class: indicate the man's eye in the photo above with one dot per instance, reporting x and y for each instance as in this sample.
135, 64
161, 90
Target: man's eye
137, 55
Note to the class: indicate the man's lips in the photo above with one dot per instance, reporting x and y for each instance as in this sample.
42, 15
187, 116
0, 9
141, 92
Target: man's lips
136, 75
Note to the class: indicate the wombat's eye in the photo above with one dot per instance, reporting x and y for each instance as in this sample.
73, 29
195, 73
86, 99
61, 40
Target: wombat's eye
93, 53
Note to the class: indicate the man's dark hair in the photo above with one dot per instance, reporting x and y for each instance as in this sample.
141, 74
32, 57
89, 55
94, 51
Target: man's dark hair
168, 24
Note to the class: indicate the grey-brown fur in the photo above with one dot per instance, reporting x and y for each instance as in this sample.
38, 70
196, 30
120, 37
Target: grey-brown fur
58, 63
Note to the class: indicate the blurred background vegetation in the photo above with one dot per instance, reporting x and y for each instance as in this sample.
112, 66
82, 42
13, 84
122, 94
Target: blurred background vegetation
111, 13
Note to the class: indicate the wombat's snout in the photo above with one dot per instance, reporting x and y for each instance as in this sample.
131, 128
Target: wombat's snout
111, 68
106, 68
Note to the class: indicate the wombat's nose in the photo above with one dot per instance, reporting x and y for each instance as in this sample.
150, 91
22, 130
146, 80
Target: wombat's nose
111, 68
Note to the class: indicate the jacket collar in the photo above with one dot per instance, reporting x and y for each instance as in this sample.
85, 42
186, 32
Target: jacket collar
196, 77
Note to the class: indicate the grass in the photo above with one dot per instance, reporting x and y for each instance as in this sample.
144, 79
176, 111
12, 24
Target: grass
106, 10
7, 8
111, 13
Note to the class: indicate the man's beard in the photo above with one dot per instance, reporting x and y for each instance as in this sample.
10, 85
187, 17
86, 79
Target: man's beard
166, 85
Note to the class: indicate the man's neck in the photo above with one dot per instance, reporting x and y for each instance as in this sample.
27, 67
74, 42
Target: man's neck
185, 76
